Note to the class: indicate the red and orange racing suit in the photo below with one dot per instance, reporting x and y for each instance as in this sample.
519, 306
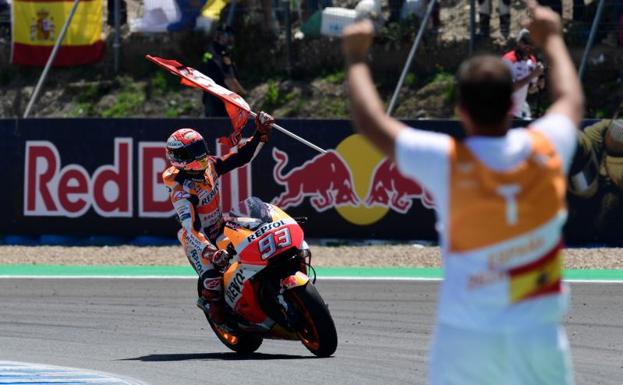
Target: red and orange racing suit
197, 203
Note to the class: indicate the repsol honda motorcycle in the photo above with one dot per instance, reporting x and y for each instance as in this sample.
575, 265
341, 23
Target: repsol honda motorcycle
267, 291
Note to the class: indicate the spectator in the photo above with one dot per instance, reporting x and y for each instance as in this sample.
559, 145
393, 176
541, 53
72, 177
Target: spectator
525, 70
500, 202
402, 9
501, 207
218, 64
484, 14
189, 10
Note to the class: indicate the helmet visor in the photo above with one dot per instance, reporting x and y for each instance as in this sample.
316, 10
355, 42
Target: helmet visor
193, 151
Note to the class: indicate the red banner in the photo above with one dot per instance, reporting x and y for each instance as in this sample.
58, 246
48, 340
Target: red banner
237, 108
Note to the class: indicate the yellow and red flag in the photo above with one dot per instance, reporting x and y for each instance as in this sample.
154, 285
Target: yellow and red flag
38, 23
236, 107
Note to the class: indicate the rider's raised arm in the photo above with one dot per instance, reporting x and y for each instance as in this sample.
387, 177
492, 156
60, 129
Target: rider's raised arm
245, 154
247, 151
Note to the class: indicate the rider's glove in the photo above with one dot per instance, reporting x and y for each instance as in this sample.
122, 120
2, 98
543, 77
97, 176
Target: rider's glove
263, 124
219, 258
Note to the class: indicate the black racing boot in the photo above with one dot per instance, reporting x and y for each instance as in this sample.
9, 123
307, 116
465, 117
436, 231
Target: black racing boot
211, 297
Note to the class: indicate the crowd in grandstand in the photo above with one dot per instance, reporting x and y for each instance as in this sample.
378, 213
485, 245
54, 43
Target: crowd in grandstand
179, 15
493, 21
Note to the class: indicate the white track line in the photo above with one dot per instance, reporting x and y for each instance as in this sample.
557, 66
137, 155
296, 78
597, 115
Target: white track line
12, 372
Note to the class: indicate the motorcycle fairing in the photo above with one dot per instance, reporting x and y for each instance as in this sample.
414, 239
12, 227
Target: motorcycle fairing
233, 282
269, 239
248, 306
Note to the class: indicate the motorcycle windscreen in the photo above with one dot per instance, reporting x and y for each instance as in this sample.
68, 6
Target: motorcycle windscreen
251, 213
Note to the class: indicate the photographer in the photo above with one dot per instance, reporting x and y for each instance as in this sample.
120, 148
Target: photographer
526, 71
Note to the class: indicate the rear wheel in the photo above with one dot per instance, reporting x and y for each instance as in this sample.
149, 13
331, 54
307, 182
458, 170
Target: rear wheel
315, 326
237, 341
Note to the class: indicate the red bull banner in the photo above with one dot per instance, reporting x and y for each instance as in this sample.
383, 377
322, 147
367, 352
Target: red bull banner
103, 177
98, 176
37, 25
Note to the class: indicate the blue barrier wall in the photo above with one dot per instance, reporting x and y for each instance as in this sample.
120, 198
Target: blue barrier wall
101, 176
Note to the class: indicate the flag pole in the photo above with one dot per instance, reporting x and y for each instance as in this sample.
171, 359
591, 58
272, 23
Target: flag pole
57, 45
193, 78
294, 136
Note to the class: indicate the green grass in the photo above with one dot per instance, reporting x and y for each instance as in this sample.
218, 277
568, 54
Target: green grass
90, 93
337, 77
82, 109
176, 109
275, 96
127, 103
410, 80
449, 93
163, 83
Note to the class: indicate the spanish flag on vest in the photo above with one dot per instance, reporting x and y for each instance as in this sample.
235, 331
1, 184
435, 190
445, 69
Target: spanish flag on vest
38, 23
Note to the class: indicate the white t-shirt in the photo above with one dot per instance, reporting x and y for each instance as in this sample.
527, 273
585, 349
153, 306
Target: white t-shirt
425, 157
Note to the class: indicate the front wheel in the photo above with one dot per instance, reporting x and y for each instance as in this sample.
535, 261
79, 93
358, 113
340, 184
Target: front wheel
315, 326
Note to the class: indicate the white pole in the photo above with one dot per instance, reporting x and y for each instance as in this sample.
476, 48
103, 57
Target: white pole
591, 38
57, 45
294, 136
414, 48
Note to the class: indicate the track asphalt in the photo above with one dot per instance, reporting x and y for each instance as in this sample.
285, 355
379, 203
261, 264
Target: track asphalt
150, 330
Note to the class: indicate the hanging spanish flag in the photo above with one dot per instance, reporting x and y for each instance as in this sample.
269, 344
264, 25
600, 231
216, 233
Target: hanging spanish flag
38, 23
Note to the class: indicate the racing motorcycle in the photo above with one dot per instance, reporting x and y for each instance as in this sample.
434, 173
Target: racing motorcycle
267, 291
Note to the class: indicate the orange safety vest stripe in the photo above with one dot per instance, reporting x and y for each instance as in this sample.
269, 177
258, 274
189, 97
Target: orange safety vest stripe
488, 207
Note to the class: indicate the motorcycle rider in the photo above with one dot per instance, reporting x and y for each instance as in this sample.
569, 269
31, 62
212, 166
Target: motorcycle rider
193, 184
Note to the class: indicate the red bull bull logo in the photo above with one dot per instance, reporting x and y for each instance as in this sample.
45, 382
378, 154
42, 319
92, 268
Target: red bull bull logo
338, 178
389, 188
325, 179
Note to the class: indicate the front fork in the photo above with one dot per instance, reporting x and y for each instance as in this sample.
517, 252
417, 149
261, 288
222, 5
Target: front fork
298, 279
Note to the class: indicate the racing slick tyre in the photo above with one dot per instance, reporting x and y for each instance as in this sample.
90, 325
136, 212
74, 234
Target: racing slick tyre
315, 326
239, 342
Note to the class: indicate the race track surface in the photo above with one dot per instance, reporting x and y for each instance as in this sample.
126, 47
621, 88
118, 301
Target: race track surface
150, 330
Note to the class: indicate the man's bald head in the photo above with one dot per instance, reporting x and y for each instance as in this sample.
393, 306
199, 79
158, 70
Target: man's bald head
485, 90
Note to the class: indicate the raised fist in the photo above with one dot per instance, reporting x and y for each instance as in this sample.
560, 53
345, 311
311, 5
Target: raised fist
263, 123
356, 40
542, 23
